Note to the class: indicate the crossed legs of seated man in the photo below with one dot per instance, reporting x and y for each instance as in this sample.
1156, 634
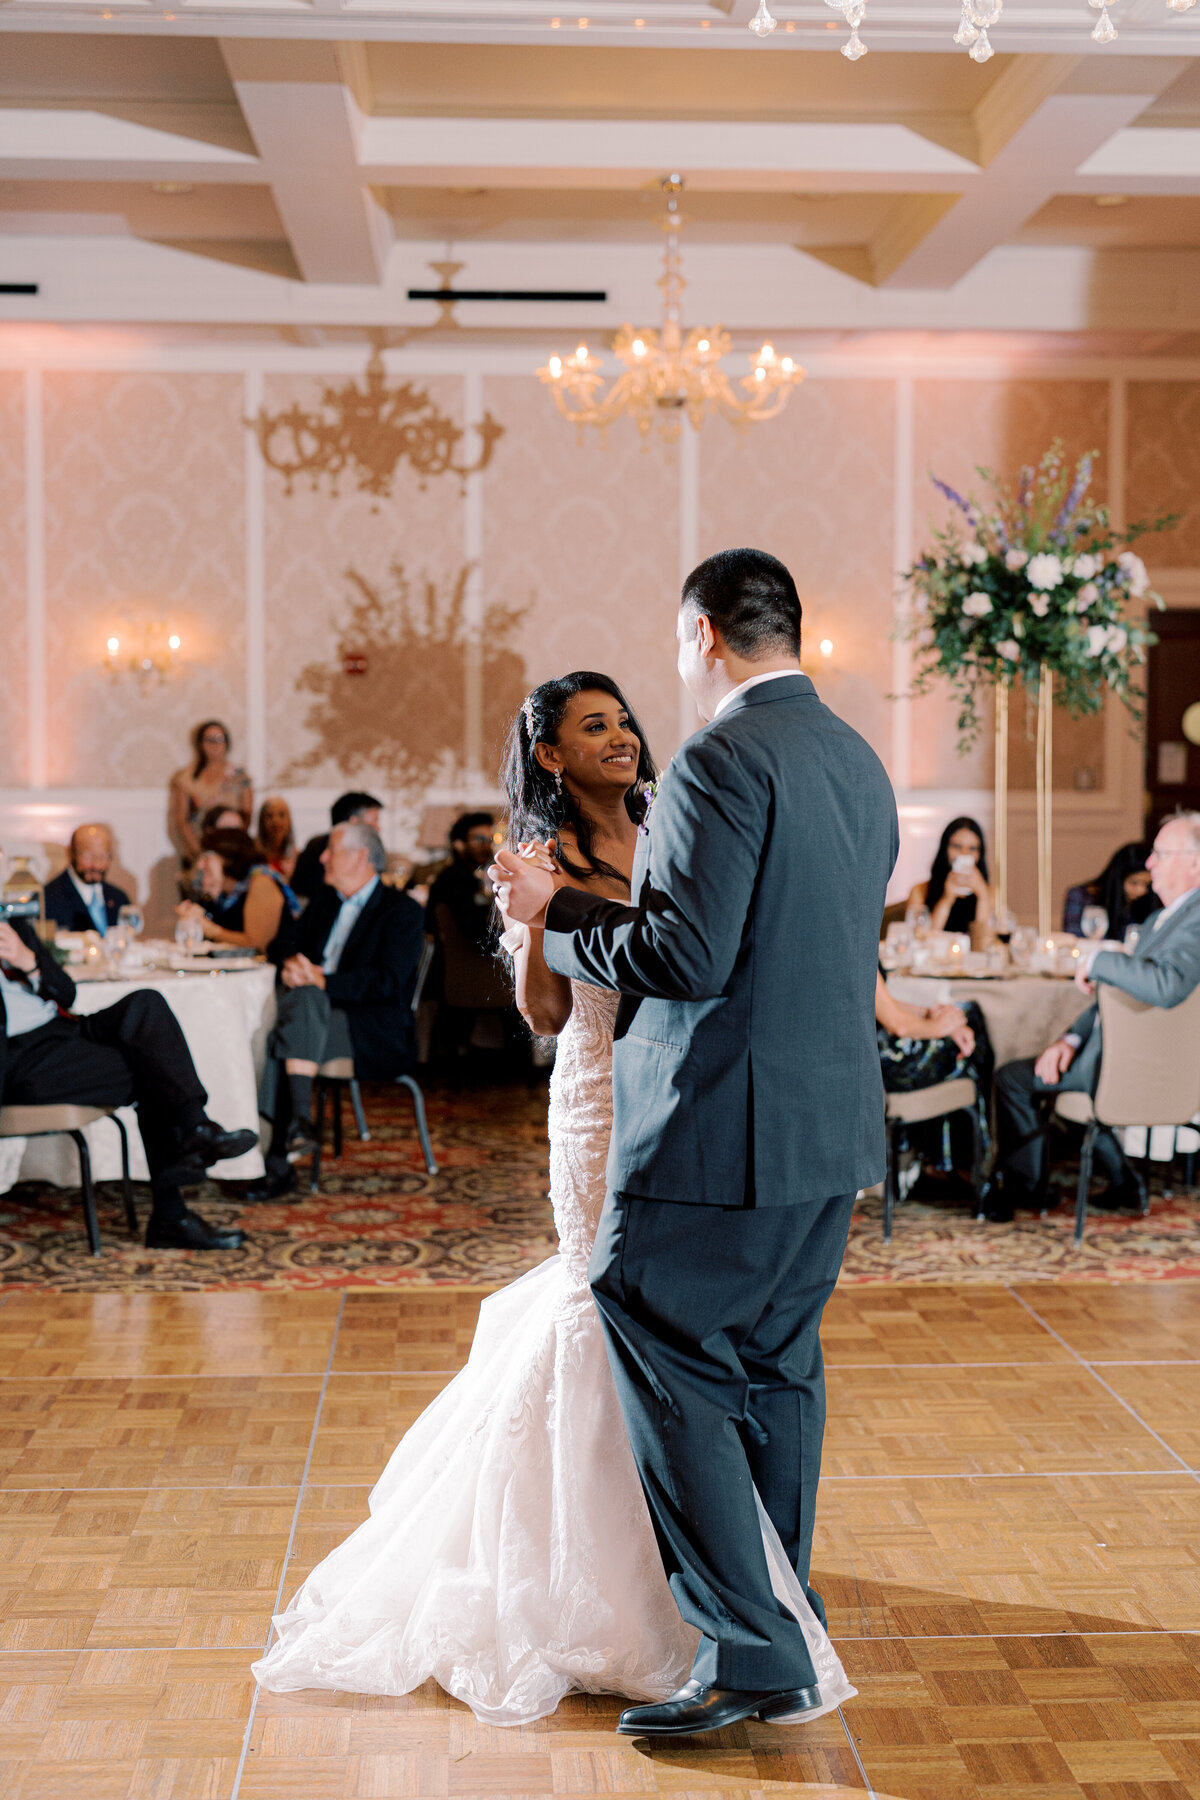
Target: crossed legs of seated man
135, 1053
308, 1031
1022, 1088
719, 1372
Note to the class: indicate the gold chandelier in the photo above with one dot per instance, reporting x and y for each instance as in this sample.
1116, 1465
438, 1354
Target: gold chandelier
665, 373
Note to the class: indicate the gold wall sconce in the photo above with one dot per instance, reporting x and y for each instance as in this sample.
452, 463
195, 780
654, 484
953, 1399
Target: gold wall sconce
145, 654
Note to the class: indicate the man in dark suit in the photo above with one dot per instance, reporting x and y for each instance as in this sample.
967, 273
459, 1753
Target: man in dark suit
132, 1053
80, 899
349, 965
747, 1112
1162, 970
308, 877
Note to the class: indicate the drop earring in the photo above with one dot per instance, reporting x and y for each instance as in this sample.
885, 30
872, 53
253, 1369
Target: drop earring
558, 784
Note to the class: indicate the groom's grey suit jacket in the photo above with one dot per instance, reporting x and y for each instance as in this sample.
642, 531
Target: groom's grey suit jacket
1162, 970
745, 1067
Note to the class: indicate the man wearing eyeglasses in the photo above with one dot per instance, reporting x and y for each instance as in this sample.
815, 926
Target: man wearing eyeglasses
1162, 970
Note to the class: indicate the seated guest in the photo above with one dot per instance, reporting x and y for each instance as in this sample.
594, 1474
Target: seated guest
276, 839
132, 1053
80, 899
459, 885
242, 900
1123, 890
349, 966
221, 818
308, 877
957, 895
1161, 970
922, 1046
213, 779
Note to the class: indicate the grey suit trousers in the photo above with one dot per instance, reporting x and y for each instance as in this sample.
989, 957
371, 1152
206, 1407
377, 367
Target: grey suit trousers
711, 1318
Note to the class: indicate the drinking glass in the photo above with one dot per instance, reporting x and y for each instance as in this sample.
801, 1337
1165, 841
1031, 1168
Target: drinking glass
1132, 934
1024, 943
189, 935
133, 919
1093, 922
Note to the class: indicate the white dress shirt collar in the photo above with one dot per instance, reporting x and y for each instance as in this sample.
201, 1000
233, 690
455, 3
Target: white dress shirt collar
85, 889
743, 687
1162, 917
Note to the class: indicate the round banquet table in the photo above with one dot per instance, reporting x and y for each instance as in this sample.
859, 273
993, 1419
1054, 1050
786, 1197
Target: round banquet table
1023, 1013
226, 1014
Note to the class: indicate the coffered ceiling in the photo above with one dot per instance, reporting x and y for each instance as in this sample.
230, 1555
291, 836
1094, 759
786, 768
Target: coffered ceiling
274, 159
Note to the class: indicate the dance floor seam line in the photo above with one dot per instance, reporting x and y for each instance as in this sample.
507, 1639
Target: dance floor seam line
841, 1713
287, 1554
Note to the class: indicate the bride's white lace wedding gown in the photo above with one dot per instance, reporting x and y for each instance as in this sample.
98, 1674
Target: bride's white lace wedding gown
509, 1553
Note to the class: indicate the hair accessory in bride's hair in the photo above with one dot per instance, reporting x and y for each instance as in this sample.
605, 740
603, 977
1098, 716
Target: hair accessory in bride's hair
527, 709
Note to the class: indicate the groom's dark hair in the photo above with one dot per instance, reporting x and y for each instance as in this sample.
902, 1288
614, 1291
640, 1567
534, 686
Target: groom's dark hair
751, 600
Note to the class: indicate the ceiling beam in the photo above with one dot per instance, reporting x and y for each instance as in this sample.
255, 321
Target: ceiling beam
305, 105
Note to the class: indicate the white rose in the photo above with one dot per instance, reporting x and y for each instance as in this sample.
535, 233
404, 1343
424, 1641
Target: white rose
977, 606
1010, 651
1097, 639
1134, 570
1045, 571
1086, 567
1039, 606
1118, 637
1016, 559
1087, 596
973, 555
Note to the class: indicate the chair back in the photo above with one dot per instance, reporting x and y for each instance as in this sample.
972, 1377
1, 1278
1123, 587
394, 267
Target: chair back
1150, 1068
473, 980
893, 915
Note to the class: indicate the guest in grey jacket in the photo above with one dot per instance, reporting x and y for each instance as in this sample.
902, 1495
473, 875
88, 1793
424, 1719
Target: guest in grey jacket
1162, 971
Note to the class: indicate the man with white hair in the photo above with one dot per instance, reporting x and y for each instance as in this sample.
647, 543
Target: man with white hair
348, 969
1162, 970
80, 899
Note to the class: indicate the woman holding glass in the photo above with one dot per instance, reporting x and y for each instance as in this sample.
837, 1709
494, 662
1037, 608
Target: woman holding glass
243, 901
958, 895
1119, 898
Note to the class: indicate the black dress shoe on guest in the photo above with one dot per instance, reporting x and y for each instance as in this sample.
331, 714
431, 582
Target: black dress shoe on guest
1124, 1196
191, 1232
301, 1140
697, 1708
209, 1143
279, 1179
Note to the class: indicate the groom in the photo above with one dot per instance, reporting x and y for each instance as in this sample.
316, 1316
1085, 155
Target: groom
747, 1113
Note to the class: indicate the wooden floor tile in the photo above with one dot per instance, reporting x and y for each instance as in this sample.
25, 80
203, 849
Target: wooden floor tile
166, 1334
171, 1568
363, 1418
219, 1431
414, 1332
960, 1557
1133, 1321
902, 1325
952, 1421
1165, 1399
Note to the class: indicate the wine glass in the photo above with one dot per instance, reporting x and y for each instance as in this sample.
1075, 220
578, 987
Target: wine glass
1093, 922
1024, 943
189, 934
133, 919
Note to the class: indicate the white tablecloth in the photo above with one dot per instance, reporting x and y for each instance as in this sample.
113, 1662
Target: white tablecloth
225, 1018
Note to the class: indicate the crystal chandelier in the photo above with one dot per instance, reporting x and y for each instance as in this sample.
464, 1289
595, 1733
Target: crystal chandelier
665, 372
978, 16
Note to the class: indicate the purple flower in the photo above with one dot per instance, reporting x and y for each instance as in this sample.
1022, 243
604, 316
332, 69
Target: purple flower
1079, 487
955, 499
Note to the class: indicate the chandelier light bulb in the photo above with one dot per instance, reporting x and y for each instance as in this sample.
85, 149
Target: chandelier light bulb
114, 644
556, 366
703, 346
581, 354
981, 51
638, 347
762, 24
1105, 30
826, 646
855, 48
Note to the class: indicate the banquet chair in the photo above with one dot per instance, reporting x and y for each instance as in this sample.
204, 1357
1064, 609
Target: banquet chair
1149, 1075
338, 1073
919, 1108
70, 1121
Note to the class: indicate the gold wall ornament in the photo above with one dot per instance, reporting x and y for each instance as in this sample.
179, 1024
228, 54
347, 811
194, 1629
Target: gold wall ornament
667, 375
367, 432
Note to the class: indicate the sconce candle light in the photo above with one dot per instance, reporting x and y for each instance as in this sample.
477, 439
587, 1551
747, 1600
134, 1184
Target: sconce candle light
154, 655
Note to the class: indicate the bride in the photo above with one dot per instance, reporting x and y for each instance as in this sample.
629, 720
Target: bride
509, 1554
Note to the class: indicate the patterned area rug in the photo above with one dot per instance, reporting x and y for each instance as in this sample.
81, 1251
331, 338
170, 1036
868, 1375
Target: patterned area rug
380, 1221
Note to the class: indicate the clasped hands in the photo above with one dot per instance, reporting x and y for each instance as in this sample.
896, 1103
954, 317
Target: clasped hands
526, 880
299, 972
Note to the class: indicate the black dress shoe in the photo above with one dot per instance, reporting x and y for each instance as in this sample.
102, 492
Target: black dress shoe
210, 1143
696, 1708
1124, 1196
301, 1141
191, 1232
279, 1179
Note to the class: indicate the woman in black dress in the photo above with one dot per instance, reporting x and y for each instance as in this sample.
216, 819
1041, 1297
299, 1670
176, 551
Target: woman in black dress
958, 895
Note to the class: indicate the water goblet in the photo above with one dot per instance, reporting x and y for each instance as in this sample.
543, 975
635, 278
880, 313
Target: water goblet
132, 918
1093, 922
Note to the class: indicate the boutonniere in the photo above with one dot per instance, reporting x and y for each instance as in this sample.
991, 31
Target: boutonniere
649, 796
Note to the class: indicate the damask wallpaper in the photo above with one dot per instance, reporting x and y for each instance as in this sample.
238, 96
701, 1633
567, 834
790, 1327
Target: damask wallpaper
14, 709
1164, 464
583, 540
145, 501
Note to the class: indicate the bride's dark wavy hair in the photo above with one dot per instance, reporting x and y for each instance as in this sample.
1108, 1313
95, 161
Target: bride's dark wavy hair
536, 809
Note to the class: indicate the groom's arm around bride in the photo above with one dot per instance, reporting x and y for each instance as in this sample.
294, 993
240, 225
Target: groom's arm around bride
748, 1111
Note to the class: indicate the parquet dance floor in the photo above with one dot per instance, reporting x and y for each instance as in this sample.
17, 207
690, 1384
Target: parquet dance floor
1008, 1543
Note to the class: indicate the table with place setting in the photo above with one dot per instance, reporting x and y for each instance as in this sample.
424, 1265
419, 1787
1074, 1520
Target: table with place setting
225, 1004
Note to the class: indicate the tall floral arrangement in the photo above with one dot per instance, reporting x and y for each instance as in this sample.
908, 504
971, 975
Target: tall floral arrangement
1036, 585
1035, 579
